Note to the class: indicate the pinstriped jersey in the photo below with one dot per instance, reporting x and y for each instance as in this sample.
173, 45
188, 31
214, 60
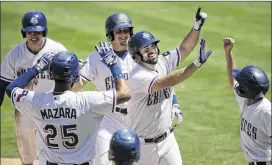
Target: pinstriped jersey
255, 129
150, 112
61, 121
19, 59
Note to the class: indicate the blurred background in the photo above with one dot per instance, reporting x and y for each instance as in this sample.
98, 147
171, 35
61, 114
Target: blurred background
209, 134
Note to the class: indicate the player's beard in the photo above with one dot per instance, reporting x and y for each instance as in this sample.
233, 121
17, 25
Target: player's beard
152, 58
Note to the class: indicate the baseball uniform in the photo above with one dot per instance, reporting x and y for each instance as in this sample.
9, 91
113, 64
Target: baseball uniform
66, 123
150, 112
255, 129
15, 63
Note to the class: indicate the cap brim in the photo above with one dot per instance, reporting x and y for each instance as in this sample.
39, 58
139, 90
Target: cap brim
236, 73
122, 26
34, 29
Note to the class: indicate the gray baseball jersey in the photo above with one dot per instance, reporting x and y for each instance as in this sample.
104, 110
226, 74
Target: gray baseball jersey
19, 59
255, 129
99, 73
150, 112
66, 123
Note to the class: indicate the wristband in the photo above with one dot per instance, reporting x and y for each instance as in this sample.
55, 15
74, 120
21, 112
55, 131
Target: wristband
116, 72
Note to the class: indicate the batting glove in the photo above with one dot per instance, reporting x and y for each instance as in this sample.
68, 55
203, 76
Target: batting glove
176, 111
202, 56
107, 53
44, 62
199, 20
82, 63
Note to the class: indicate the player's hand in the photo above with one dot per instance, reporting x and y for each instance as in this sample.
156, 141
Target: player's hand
107, 53
44, 62
177, 112
202, 56
82, 63
199, 20
228, 44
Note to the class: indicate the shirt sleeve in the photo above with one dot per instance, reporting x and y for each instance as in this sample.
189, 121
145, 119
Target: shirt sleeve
88, 71
266, 118
240, 100
99, 102
173, 58
21, 99
8, 68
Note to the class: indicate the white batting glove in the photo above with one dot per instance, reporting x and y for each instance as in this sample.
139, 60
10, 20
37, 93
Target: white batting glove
199, 20
82, 63
202, 56
176, 111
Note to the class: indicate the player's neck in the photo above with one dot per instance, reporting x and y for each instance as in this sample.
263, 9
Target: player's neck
62, 86
252, 101
147, 66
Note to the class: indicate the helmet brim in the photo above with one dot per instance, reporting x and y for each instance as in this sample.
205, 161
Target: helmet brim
122, 26
34, 29
236, 73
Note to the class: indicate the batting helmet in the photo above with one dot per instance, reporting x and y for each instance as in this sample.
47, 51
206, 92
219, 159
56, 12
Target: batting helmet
34, 21
64, 66
139, 41
253, 82
124, 146
117, 21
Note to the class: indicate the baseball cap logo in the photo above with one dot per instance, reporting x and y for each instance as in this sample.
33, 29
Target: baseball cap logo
34, 21
122, 18
146, 36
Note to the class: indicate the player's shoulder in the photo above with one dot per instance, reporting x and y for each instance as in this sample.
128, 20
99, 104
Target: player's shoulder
266, 105
16, 51
52, 44
139, 72
94, 55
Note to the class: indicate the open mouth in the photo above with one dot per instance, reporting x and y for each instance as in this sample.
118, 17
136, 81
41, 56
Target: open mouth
34, 40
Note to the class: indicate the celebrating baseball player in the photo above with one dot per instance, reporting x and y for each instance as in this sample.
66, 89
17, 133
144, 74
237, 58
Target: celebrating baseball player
151, 84
250, 85
17, 62
119, 29
124, 147
61, 117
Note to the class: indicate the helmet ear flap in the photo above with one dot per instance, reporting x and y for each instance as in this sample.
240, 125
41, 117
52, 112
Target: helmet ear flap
23, 34
110, 37
45, 32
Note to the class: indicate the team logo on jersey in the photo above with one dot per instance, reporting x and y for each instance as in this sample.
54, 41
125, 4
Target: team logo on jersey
20, 96
146, 36
34, 21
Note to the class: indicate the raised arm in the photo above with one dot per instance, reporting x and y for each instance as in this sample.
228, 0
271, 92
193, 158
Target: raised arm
189, 42
228, 45
110, 59
177, 76
23, 80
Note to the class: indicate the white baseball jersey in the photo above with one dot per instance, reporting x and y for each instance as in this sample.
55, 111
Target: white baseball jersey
255, 129
19, 59
99, 73
150, 112
66, 123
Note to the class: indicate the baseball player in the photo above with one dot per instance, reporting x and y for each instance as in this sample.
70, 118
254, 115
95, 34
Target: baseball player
124, 147
119, 29
250, 85
151, 84
17, 62
62, 117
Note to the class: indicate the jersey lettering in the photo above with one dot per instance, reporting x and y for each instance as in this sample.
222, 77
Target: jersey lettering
58, 113
158, 96
248, 128
42, 75
109, 81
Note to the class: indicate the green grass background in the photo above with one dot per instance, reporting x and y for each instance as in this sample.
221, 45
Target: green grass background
209, 134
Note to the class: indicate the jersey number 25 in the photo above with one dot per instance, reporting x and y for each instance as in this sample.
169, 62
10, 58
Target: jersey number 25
70, 139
